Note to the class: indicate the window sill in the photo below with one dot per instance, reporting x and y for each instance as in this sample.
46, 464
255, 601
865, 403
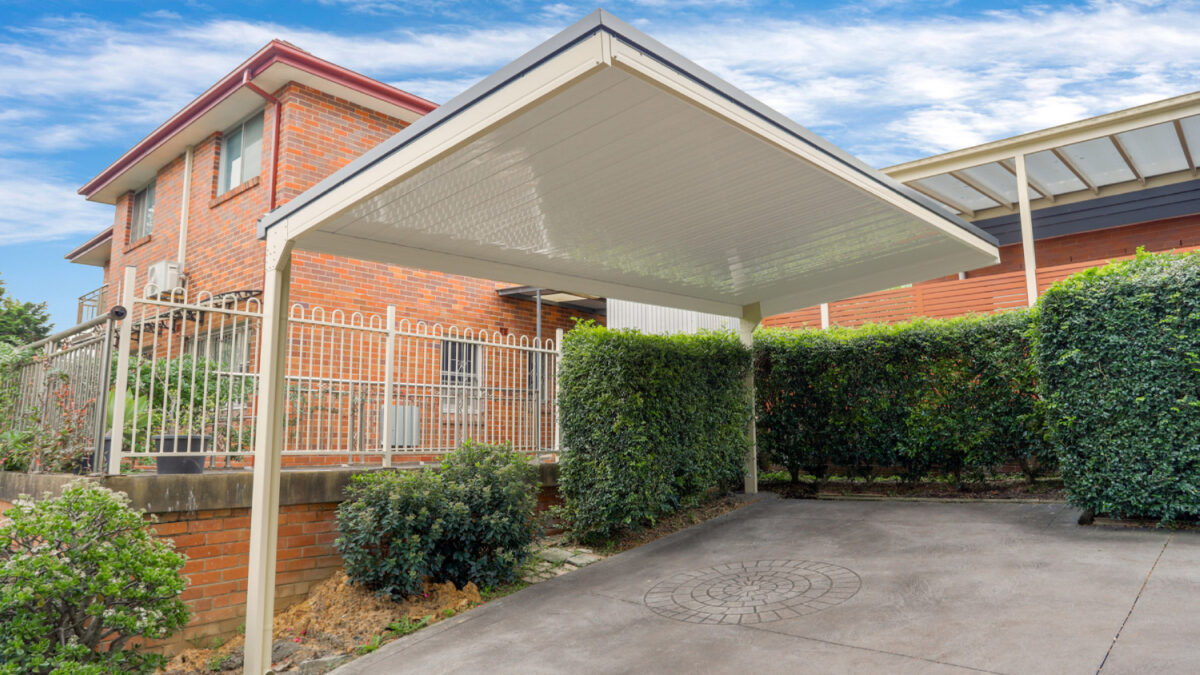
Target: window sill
234, 191
137, 243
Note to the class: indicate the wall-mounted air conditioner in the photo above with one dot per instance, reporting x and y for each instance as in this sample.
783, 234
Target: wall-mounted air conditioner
163, 277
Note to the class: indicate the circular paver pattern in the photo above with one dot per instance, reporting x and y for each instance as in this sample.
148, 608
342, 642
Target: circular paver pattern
752, 592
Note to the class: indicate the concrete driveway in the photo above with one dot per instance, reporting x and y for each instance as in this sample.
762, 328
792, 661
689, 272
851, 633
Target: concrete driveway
846, 587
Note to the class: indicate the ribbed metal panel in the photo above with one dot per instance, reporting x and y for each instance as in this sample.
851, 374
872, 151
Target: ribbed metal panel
663, 320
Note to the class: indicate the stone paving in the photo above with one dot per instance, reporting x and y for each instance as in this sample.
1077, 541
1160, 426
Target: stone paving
553, 558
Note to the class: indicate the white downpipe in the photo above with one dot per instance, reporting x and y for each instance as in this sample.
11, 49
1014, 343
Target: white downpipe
185, 202
824, 315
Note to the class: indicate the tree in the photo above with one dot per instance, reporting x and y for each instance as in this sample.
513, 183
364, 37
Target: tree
22, 322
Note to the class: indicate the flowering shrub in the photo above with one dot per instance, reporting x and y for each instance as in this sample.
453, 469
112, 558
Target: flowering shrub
80, 577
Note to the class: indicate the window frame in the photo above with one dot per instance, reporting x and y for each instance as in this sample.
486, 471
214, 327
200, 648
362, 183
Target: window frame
461, 384
224, 180
141, 220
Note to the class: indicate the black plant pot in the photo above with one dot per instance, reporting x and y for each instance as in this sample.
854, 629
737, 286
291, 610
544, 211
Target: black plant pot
184, 445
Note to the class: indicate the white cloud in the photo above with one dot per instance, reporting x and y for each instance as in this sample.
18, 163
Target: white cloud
887, 89
36, 204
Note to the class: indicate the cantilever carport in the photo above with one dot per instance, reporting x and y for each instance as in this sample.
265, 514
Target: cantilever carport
601, 163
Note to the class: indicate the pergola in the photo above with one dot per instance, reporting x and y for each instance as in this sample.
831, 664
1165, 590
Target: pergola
601, 163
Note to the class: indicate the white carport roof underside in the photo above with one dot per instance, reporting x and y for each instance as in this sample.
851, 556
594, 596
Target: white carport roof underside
616, 186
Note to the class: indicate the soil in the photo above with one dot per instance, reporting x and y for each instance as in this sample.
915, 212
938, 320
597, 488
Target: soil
1049, 489
675, 522
337, 618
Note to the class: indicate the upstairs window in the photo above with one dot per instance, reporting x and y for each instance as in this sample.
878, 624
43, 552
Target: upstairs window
143, 213
241, 153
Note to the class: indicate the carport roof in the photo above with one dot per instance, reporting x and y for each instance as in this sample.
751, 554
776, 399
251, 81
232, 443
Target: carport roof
604, 163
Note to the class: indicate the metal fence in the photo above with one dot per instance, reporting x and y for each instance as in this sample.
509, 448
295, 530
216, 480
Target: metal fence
360, 387
371, 384
56, 397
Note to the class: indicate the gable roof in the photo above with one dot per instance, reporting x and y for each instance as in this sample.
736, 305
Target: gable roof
229, 100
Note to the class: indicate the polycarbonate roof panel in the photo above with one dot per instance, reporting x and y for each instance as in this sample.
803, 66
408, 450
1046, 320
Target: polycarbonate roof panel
957, 192
1099, 160
614, 178
998, 180
1155, 149
1051, 173
1191, 132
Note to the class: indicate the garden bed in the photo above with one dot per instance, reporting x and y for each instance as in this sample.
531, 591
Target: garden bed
1000, 488
337, 622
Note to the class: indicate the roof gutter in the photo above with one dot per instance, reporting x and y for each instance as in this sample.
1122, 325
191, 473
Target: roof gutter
277, 111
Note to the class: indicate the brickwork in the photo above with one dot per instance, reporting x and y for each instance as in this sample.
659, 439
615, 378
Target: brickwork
217, 544
1002, 286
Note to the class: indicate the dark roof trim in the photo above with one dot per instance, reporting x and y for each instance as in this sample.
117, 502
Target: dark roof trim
90, 244
582, 29
1130, 208
276, 51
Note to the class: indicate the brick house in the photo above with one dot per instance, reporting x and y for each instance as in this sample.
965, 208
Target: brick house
1094, 190
191, 192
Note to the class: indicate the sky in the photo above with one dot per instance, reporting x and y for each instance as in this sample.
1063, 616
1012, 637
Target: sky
887, 80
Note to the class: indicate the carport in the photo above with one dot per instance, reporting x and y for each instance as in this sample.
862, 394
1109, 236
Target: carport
601, 163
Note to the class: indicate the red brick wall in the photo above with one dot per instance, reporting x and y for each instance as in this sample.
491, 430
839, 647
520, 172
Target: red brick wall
217, 544
1002, 286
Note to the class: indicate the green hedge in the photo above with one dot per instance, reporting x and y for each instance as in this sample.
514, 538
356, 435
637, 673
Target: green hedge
648, 423
1118, 353
470, 521
954, 396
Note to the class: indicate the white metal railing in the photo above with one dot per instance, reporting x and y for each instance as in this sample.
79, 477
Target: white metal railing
358, 385
57, 395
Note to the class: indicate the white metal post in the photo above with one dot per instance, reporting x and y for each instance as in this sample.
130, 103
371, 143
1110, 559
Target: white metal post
1031, 286
389, 375
751, 318
268, 449
122, 385
558, 338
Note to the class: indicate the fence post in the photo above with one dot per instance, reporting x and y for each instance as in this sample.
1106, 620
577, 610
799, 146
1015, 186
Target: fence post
102, 395
558, 337
389, 374
122, 385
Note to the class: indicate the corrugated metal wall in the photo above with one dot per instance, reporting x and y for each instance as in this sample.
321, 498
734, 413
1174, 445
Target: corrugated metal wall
664, 320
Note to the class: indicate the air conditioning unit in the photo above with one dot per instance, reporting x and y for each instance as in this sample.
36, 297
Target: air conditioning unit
163, 277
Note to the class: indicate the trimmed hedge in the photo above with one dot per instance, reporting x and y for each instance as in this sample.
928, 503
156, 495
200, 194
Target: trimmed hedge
470, 521
648, 423
955, 397
1118, 353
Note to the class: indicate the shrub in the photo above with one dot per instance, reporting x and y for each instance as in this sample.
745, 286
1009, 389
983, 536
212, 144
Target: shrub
648, 424
470, 521
80, 577
1118, 355
955, 396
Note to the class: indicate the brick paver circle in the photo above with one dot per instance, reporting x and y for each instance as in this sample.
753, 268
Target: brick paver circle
752, 592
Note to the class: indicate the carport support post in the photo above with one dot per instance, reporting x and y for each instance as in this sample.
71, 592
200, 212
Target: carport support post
751, 318
268, 449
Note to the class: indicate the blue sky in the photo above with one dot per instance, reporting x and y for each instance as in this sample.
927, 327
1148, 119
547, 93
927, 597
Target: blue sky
889, 80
